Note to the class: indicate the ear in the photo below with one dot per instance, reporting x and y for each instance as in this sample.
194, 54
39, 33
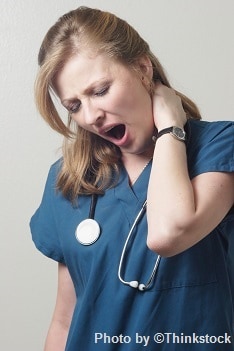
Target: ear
145, 68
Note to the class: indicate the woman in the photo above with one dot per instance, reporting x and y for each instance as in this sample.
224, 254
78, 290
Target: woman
128, 279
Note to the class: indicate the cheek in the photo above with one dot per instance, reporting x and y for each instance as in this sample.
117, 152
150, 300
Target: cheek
78, 120
125, 104
125, 100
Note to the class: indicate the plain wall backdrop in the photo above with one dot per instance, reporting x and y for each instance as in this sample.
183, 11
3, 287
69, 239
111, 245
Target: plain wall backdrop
193, 40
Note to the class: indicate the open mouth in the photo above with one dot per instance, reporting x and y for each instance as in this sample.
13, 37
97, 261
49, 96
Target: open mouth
117, 132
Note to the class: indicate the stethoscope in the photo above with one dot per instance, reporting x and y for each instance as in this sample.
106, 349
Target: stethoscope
88, 232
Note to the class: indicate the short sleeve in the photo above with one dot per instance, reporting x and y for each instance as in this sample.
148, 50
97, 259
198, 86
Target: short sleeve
43, 222
210, 147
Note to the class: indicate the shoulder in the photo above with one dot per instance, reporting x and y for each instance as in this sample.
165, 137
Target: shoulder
52, 176
51, 195
210, 146
43, 223
55, 168
204, 131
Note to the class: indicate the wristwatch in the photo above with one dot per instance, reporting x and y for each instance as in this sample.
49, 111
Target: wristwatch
176, 132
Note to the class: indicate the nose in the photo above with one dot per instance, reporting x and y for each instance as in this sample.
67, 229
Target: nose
92, 113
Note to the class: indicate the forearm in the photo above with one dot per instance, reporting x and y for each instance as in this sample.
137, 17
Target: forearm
56, 337
170, 200
63, 312
180, 212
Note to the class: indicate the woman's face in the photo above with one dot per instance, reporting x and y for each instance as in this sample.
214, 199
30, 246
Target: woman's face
109, 99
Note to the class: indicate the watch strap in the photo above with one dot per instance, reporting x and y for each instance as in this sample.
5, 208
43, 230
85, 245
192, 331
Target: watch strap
164, 131
176, 132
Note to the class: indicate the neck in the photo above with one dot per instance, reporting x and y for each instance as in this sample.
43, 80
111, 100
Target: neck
135, 164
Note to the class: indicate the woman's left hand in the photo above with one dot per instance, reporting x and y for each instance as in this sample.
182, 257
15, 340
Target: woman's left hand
167, 108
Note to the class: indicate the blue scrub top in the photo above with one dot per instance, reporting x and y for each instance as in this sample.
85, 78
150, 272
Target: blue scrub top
190, 305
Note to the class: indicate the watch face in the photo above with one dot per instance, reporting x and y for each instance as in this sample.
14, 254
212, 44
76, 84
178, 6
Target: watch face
179, 133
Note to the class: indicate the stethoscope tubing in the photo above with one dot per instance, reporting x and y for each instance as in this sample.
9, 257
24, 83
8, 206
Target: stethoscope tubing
93, 206
135, 283
137, 219
88, 232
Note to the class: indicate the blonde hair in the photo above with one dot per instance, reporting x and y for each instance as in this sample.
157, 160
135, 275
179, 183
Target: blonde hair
90, 163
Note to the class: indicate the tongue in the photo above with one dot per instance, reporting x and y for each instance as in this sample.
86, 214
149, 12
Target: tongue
118, 131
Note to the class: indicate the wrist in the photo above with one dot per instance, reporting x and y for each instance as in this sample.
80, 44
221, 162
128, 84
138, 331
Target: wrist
168, 124
175, 131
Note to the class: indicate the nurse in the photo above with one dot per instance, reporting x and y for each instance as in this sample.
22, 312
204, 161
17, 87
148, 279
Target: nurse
138, 212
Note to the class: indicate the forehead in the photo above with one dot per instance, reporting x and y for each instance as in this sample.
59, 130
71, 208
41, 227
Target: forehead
86, 68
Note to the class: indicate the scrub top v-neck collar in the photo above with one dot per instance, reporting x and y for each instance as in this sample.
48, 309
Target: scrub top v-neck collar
132, 197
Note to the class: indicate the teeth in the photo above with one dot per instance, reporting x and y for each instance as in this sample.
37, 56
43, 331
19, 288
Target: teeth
108, 129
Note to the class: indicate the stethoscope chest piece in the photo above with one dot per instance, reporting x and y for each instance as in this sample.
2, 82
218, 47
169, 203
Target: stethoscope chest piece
88, 231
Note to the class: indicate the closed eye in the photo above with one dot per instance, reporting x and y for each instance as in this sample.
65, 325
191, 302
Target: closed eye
74, 107
102, 91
